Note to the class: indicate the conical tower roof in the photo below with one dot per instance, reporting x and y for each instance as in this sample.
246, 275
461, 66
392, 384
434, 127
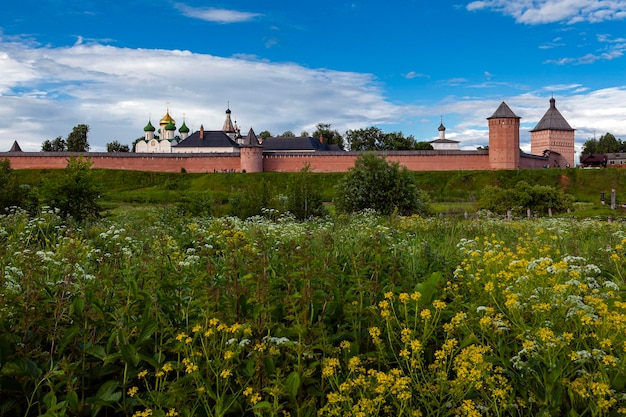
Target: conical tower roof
552, 120
251, 139
504, 112
15, 147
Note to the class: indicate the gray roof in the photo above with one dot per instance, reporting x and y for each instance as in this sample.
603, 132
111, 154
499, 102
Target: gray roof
552, 120
15, 147
444, 141
251, 139
504, 112
301, 143
210, 139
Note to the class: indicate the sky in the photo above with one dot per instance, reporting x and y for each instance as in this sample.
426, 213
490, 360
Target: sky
400, 65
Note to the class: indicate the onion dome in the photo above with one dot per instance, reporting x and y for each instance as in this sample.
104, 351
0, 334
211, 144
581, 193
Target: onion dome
149, 127
184, 128
170, 125
167, 119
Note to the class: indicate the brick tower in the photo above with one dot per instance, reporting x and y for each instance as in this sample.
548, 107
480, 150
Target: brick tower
553, 133
504, 147
251, 154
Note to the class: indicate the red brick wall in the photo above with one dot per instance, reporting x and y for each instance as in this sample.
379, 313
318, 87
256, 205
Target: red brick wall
320, 162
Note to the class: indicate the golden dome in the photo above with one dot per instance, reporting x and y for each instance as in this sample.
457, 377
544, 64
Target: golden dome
167, 119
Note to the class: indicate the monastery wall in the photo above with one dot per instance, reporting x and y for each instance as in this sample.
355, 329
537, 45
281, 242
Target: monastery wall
278, 162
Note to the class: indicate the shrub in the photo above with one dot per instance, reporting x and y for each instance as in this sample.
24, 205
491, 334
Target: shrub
375, 184
76, 193
304, 200
538, 198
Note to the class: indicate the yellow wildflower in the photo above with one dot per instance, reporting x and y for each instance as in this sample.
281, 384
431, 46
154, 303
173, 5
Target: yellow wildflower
132, 391
225, 373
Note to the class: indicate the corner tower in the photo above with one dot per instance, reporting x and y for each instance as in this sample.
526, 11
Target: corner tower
553, 133
504, 147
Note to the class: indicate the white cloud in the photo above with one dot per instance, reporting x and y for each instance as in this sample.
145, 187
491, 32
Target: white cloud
48, 90
211, 14
534, 12
412, 74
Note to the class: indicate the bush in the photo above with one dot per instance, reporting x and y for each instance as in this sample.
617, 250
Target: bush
538, 198
375, 184
76, 193
304, 200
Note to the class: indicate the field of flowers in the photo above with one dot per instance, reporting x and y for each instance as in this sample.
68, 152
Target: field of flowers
348, 316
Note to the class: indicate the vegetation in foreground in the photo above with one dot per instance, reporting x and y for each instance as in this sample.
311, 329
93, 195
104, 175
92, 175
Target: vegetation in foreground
354, 315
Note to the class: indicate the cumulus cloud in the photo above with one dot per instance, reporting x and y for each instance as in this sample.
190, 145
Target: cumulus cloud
46, 91
211, 14
534, 12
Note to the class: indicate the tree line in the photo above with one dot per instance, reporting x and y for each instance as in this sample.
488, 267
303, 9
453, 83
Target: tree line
607, 143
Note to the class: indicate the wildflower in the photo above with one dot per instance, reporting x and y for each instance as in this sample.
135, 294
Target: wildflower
354, 363
425, 314
225, 373
344, 345
375, 334
142, 374
228, 355
196, 328
171, 413
416, 296
328, 369
439, 305
132, 391
403, 297
180, 336
389, 295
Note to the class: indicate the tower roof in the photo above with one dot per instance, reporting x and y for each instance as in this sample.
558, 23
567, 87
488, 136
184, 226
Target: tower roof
251, 139
184, 128
15, 147
170, 125
504, 112
552, 120
441, 127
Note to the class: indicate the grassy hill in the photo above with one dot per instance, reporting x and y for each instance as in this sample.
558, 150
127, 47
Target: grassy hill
450, 191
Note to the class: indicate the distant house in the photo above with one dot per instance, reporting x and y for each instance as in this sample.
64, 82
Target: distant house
593, 160
443, 144
615, 159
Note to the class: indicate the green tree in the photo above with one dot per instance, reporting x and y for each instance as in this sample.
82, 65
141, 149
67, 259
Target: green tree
76, 193
304, 134
265, 134
55, 145
115, 146
287, 134
77, 139
9, 188
609, 144
368, 139
331, 137
304, 200
590, 147
396, 141
423, 146
376, 184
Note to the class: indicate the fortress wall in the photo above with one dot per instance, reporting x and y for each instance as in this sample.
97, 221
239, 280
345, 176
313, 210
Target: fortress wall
277, 162
130, 161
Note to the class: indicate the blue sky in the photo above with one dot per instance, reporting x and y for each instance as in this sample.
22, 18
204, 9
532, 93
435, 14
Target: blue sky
279, 65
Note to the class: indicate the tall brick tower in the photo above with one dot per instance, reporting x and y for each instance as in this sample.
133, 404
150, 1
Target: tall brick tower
553, 133
504, 147
251, 154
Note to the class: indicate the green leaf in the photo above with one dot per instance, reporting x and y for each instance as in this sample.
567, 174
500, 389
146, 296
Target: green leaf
292, 384
147, 330
21, 367
129, 354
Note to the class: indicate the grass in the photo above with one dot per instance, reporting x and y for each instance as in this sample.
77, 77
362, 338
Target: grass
451, 192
